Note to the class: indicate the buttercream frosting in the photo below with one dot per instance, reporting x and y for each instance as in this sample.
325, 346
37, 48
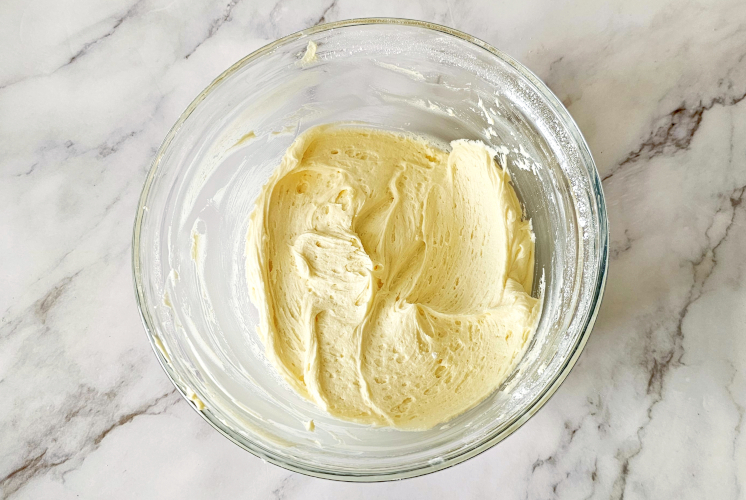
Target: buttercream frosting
392, 277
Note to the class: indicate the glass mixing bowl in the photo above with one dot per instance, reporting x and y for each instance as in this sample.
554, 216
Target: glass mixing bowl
190, 229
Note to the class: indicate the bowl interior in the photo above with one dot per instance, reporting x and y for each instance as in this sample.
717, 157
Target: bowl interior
191, 228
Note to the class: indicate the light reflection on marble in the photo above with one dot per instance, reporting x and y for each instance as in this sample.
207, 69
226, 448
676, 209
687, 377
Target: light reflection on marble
654, 408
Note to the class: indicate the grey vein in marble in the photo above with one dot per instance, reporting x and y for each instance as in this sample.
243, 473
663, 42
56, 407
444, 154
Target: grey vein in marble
675, 131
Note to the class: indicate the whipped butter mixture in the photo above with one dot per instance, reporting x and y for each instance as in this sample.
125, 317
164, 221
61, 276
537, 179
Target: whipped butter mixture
392, 278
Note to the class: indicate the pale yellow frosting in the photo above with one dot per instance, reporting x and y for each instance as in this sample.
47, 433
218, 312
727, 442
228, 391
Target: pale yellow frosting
392, 278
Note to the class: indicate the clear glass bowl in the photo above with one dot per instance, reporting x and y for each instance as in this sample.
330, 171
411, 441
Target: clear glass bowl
190, 228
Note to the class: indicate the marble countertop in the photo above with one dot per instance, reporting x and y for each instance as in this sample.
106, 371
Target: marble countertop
655, 407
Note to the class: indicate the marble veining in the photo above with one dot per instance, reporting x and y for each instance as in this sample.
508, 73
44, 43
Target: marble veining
654, 408
675, 131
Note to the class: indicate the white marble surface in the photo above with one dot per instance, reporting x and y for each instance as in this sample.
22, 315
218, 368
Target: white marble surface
655, 407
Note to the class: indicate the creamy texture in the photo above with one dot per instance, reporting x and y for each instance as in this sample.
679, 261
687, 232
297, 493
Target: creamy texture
309, 56
392, 278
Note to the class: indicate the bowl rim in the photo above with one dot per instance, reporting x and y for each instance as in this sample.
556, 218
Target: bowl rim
484, 443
